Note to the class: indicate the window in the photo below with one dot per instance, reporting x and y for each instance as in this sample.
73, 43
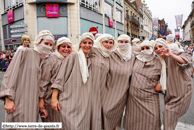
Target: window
10, 3
108, 10
118, 15
92, 4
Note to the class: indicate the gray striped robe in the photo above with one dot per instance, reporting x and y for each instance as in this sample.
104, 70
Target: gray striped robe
142, 111
49, 71
115, 96
20, 84
100, 68
74, 96
179, 90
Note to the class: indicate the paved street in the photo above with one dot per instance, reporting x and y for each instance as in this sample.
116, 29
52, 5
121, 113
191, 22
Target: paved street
186, 122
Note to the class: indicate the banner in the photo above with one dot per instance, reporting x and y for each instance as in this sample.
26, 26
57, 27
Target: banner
155, 23
177, 33
178, 20
52, 10
10, 16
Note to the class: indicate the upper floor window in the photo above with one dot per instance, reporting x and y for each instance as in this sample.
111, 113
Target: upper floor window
118, 15
108, 10
92, 4
10, 3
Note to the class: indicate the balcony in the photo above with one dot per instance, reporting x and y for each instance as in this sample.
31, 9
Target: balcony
132, 19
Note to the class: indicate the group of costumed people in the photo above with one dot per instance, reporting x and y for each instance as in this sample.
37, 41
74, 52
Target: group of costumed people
87, 86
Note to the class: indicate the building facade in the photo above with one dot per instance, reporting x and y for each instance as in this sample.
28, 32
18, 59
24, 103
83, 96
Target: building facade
147, 21
132, 18
69, 18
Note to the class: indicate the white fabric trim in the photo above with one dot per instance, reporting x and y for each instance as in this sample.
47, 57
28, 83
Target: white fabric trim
83, 65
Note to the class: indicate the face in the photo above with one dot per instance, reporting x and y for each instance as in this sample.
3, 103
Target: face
64, 49
108, 44
86, 45
159, 50
47, 42
26, 41
123, 42
143, 48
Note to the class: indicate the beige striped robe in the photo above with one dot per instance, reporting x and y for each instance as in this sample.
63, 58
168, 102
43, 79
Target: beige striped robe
142, 111
20, 84
74, 96
100, 68
136, 49
115, 96
179, 90
49, 71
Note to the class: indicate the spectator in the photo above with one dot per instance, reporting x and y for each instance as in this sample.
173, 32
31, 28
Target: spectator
5, 62
25, 41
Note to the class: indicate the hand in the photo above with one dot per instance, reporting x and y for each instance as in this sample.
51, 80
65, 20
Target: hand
9, 105
55, 105
167, 52
41, 104
158, 87
44, 113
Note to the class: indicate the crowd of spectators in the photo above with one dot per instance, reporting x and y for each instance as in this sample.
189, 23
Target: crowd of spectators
5, 58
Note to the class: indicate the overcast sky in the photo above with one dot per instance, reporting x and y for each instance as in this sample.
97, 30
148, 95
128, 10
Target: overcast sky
167, 9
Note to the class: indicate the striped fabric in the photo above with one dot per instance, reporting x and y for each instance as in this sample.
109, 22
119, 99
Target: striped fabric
136, 49
100, 68
115, 96
179, 90
142, 111
49, 71
74, 96
20, 83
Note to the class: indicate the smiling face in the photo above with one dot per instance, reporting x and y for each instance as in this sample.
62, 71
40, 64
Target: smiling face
108, 44
86, 45
47, 42
64, 49
159, 50
26, 41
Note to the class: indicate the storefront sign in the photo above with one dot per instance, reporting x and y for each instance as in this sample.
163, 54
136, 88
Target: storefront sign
52, 10
19, 30
10, 16
110, 22
19, 26
8, 42
93, 30
17, 35
16, 40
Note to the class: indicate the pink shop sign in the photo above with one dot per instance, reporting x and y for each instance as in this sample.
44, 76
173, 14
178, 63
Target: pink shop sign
10, 16
52, 10
110, 22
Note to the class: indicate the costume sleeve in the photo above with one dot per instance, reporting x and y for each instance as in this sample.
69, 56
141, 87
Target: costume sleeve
64, 73
188, 59
9, 84
45, 78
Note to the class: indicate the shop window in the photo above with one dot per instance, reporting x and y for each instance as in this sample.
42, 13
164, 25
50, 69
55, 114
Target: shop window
108, 10
91, 4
